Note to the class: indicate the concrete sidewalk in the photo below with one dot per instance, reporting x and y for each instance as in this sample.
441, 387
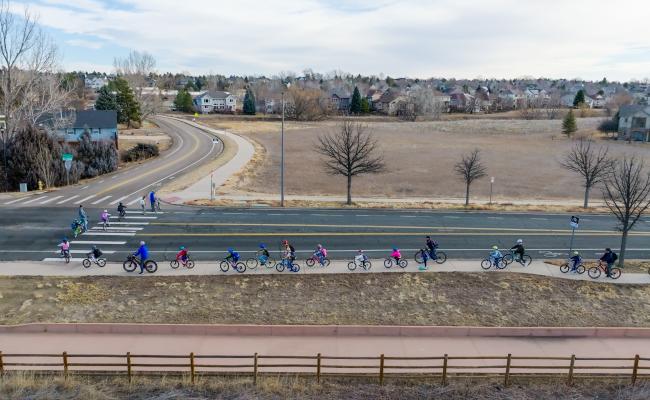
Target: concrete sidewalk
336, 267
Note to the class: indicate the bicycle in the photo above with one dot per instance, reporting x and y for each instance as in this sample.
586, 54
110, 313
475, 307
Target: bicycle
131, 263
441, 257
363, 263
566, 267
488, 263
388, 262
316, 258
261, 259
596, 271
189, 263
65, 254
87, 262
105, 224
238, 266
287, 263
512, 256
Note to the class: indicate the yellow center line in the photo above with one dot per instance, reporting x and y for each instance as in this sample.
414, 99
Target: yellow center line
259, 234
155, 170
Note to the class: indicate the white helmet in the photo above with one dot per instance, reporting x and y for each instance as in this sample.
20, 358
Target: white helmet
519, 241
142, 243
105, 210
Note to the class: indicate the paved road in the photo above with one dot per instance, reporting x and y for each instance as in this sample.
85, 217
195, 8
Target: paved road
32, 234
191, 147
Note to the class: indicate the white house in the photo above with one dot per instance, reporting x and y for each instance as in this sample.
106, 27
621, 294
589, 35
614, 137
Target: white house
214, 101
95, 82
634, 122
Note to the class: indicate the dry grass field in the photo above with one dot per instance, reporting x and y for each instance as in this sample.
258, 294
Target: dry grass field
522, 155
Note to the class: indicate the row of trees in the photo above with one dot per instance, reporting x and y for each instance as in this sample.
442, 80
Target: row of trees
119, 96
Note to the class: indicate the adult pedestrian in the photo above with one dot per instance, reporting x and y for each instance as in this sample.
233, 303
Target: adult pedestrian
609, 258
152, 200
142, 203
83, 217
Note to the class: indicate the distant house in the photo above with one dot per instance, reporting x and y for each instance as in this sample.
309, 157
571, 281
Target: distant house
373, 96
341, 102
634, 123
102, 125
463, 102
214, 101
95, 82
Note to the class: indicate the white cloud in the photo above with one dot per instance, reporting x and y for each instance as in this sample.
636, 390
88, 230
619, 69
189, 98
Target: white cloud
89, 44
461, 38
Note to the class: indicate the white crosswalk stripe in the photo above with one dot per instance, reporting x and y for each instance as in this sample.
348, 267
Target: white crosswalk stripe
15, 201
129, 223
101, 200
146, 212
59, 259
134, 217
68, 199
133, 201
93, 233
117, 228
97, 242
120, 199
85, 251
87, 198
50, 199
33, 200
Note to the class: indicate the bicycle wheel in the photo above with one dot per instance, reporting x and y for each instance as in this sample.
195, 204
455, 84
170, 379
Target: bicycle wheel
66, 256
86, 263
240, 267
403, 263
594, 272
580, 269
251, 263
527, 260
326, 262
352, 265
310, 262
508, 258
101, 262
441, 257
501, 264
486, 264
174, 264
295, 267
129, 265
279, 266
388, 263
190, 264
151, 266
224, 265
564, 268
418, 257
270, 263
366, 265
615, 273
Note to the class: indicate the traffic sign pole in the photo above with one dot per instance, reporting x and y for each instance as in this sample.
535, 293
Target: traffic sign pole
574, 225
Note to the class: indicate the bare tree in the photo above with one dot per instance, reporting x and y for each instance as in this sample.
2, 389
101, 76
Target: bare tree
306, 104
137, 69
627, 195
592, 164
350, 152
469, 169
28, 60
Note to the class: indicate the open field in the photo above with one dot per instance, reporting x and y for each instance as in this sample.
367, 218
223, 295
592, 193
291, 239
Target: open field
501, 299
150, 133
16, 387
522, 155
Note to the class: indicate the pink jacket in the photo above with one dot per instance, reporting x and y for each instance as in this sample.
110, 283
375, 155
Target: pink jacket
396, 254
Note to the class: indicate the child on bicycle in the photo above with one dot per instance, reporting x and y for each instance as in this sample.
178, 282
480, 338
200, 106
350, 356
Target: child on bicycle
425, 258
182, 255
495, 255
121, 209
65, 247
396, 254
232, 256
320, 253
519, 251
361, 258
263, 254
94, 254
77, 227
104, 216
432, 245
575, 261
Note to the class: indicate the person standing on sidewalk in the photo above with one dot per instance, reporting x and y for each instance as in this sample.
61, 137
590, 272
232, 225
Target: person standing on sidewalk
142, 204
83, 217
152, 200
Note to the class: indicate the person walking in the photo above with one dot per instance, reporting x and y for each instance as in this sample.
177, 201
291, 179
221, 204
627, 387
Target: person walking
142, 204
83, 217
152, 200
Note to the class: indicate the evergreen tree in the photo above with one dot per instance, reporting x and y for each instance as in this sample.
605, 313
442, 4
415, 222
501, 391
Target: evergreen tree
579, 99
569, 125
106, 100
183, 101
355, 104
249, 102
365, 106
128, 108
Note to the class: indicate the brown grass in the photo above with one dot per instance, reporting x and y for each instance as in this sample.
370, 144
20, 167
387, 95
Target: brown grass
388, 299
28, 386
522, 155
631, 266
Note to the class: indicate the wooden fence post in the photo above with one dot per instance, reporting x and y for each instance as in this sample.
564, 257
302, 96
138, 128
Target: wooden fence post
506, 379
381, 369
635, 370
2, 365
65, 365
192, 367
128, 365
445, 361
255, 369
318, 368
571, 365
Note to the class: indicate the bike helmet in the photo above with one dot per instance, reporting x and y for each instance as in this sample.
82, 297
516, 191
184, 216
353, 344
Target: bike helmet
575, 253
608, 249
394, 248
105, 210
495, 247
230, 249
262, 246
65, 239
519, 241
182, 248
285, 242
142, 243
94, 247
320, 246
428, 237
360, 251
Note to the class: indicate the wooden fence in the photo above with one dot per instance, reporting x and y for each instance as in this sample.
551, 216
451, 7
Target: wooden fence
381, 367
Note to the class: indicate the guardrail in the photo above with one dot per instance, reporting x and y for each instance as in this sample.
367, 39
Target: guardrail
319, 366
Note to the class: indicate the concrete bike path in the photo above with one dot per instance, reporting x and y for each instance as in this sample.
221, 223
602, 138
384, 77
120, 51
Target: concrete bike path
74, 268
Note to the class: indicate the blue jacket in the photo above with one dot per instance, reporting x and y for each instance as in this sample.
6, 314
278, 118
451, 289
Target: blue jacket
143, 252
152, 197
608, 257
82, 214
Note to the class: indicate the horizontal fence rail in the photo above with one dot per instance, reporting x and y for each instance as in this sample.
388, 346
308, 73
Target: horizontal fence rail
318, 366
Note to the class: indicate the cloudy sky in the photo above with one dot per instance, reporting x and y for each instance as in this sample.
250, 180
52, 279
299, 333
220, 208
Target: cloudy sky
589, 39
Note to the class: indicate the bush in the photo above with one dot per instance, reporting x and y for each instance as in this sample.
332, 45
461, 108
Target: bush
141, 151
608, 125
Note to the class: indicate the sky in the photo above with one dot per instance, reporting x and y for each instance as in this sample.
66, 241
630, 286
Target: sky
587, 39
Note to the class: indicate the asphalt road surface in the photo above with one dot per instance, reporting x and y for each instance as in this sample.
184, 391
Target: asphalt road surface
191, 148
30, 233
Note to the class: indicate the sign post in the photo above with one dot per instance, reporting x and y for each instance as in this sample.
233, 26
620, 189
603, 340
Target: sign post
491, 183
67, 162
574, 226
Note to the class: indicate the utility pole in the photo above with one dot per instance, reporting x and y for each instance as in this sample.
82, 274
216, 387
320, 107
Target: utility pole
491, 183
282, 156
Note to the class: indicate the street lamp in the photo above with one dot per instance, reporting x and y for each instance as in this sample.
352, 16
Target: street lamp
282, 151
491, 183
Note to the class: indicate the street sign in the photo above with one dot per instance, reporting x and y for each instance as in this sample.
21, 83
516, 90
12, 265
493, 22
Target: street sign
574, 222
66, 157
67, 164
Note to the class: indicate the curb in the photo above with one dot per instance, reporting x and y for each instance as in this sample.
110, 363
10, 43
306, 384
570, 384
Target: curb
327, 330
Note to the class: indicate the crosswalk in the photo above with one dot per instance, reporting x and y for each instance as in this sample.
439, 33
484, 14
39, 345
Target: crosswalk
53, 198
115, 238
